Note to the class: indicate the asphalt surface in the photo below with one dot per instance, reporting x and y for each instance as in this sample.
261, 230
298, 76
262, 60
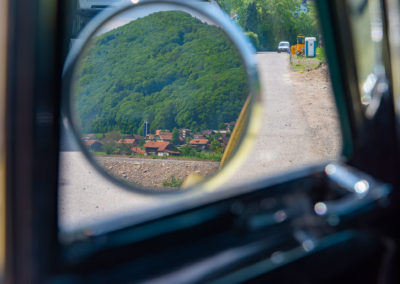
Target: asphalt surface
286, 141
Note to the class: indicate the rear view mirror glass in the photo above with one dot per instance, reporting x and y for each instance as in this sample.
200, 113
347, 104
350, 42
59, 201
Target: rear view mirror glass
155, 97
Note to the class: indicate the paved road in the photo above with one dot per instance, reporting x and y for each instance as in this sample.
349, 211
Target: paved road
289, 138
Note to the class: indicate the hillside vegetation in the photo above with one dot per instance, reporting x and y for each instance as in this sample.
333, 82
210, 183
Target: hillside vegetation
168, 68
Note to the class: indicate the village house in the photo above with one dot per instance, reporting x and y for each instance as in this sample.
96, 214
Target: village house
89, 137
223, 140
128, 141
207, 133
137, 150
150, 137
200, 144
198, 136
161, 135
183, 132
164, 136
160, 148
137, 137
134, 136
94, 145
221, 131
230, 125
159, 131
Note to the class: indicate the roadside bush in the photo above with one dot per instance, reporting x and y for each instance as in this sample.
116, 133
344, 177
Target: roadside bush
187, 150
124, 149
109, 149
254, 39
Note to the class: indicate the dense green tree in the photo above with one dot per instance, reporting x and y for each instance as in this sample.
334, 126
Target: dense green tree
215, 146
168, 68
217, 135
226, 5
175, 136
124, 149
110, 142
250, 21
187, 150
109, 149
111, 137
254, 39
276, 20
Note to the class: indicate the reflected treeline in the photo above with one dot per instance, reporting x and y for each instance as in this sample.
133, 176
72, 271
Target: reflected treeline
169, 69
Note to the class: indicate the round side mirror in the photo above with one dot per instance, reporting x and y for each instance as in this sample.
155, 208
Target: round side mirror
160, 94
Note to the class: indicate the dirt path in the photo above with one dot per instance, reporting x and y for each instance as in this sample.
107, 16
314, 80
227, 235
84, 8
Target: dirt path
314, 96
299, 121
155, 172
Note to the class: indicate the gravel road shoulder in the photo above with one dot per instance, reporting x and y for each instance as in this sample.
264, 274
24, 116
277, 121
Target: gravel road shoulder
154, 172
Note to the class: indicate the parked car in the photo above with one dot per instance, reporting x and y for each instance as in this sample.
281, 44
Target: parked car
284, 46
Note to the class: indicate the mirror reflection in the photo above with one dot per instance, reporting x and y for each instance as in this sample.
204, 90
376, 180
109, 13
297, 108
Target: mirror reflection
156, 98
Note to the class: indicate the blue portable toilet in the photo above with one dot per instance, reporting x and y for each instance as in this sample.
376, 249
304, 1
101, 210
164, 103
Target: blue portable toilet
310, 46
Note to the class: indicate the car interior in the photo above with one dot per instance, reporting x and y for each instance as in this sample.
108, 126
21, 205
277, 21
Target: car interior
332, 222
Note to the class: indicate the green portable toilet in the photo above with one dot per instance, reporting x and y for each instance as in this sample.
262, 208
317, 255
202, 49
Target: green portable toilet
310, 46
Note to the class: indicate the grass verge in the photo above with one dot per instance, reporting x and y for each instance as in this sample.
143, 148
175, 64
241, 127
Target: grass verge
301, 64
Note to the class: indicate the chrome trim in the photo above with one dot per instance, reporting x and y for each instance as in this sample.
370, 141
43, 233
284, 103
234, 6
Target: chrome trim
234, 33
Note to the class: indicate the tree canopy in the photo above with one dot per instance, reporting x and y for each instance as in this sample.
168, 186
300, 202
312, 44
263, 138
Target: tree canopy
168, 68
270, 21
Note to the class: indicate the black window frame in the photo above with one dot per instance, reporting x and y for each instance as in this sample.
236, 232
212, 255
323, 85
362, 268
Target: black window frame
34, 252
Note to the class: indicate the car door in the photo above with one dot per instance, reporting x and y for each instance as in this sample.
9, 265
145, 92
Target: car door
331, 223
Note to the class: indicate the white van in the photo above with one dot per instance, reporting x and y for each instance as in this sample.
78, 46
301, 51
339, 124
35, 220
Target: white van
284, 46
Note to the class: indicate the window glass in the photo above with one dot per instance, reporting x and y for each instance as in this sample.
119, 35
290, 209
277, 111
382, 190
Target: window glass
393, 12
367, 32
299, 125
3, 52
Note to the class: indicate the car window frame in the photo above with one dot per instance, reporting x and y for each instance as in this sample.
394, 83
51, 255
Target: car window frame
34, 252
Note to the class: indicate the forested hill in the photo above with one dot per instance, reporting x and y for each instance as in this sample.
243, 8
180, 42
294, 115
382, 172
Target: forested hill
168, 68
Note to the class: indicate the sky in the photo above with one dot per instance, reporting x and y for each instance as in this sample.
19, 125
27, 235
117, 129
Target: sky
142, 11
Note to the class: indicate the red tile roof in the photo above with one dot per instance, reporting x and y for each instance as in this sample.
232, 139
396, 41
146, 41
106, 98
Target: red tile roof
90, 137
165, 136
126, 141
137, 137
91, 142
137, 150
160, 145
199, 142
161, 131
